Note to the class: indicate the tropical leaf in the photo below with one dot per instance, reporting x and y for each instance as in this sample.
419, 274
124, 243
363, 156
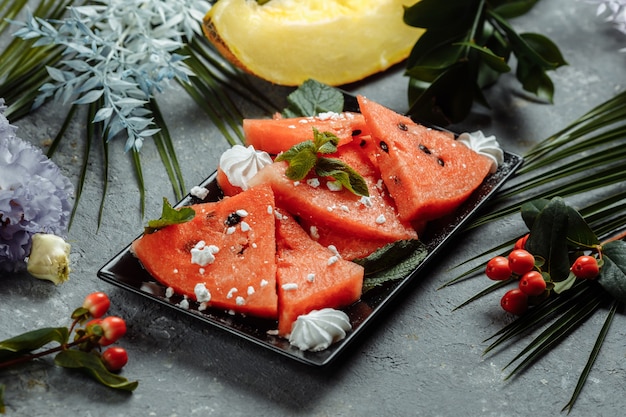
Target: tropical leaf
466, 47
584, 161
592, 356
585, 157
92, 365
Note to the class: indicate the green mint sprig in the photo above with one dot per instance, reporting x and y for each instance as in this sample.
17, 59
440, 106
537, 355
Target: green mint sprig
312, 98
170, 216
304, 157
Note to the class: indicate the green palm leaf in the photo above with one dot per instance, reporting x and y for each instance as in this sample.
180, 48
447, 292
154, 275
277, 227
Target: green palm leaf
585, 161
575, 314
583, 158
592, 357
165, 146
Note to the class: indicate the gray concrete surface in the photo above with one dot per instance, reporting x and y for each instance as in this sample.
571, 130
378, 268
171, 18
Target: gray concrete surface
421, 359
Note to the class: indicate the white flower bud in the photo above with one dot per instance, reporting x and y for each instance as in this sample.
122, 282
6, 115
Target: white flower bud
49, 258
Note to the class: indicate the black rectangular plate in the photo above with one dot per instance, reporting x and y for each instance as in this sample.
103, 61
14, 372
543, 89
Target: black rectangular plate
125, 271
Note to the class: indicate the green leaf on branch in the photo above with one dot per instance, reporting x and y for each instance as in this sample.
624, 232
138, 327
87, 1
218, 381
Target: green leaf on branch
565, 285
530, 211
465, 48
613, 273
490, 59
510, 9
170, 216
32, 340
548, 239
91, 364
579, 232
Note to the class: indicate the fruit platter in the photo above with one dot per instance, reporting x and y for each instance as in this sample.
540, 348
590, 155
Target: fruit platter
342, 243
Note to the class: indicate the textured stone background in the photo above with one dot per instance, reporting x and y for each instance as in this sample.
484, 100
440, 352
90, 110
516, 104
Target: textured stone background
420, 359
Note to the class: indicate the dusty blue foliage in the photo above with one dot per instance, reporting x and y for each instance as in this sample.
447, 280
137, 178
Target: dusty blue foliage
120, 53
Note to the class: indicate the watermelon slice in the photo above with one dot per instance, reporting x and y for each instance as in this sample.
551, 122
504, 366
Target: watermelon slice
428, 173
372, 217
350, 247
239, 233
310, 276
278, 135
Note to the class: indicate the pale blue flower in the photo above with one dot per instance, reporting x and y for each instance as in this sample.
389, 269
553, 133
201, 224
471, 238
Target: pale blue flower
34, 197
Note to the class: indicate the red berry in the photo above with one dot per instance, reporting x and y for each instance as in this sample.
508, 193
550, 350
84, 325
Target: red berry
113, 328
97, 303
521, 261
114, 358
521, 242
498, 269
532, 283
586, 267
515, 302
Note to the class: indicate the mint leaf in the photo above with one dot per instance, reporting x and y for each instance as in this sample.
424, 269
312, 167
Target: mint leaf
325, 142
300, 164
312, 98
392, 262
343, 173
170, 216
303, 157
302, 147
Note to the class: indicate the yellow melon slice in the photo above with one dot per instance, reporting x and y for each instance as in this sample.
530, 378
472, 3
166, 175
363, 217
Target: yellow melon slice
334, 42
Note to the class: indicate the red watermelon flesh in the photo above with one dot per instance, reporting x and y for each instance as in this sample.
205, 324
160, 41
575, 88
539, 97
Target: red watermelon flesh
242, 277
373, 217
349, 246
427, 172
310, 276
278, 135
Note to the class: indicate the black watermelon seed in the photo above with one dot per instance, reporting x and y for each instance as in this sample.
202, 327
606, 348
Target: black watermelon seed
363, 143
440, 161
402, 126
384, 146
232, 219
424, 149
356, 132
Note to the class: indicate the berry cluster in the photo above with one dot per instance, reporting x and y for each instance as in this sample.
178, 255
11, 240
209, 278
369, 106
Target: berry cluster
533, 284
101, 331
91, 332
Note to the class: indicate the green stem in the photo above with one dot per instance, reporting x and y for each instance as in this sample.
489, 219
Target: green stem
30, 357
475, 24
